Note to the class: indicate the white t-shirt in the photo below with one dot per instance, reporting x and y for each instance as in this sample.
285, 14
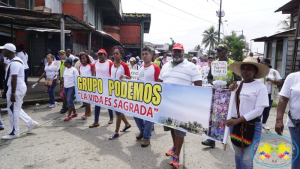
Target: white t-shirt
16, 68
52, 70
291, 90
103, 69
273, 75
92, 59
149, 73
253, 99
86, 70
71, 56
184, 73
122, 70
204, 73
134, 67
69, 77
24, 57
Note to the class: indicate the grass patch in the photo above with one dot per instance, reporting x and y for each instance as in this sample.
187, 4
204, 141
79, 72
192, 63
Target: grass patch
274, 104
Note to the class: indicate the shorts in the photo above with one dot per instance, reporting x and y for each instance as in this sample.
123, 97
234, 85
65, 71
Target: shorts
118, 113
178, 133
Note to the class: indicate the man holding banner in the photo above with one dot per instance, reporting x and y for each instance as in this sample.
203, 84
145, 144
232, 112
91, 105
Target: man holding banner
221, 81
182, 72
148, 72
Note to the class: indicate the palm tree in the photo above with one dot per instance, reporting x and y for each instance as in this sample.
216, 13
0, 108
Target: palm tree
172, 44
237, 45
285, 24
210, 38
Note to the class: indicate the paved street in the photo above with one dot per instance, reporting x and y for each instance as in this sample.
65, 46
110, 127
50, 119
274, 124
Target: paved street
59, 144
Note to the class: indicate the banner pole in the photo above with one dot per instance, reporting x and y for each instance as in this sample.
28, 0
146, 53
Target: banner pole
224, 147
226, 133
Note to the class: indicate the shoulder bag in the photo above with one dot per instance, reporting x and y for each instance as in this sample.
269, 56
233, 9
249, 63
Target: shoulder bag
243, 133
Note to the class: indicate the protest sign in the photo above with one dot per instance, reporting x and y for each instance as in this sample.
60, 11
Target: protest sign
219, 68
134, 74
185, 108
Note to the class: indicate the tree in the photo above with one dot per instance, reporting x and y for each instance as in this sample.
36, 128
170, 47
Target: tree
195, 124
285, 24
197, 48
210, 38
237, 45
172, 44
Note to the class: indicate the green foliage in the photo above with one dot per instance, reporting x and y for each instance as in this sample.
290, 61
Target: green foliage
274, 104
285, 24
210, 38
237, 45
172, 44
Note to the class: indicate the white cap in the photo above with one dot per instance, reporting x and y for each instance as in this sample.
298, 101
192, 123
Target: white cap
157, 52
195, 58
9, 46
137, 57
132, 59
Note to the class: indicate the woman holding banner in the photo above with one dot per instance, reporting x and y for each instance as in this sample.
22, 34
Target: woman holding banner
85, 69
251, 99
102, 70
119, 70
52, 77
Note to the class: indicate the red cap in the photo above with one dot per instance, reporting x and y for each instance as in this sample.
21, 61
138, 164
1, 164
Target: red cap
101, 51
178, 46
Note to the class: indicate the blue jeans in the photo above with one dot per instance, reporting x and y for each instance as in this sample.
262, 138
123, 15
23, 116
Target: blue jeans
245, 160
69, 93
145, 127
118, 113
296, 137
51, 92
1, 124
97, 113
265, 114
26, 73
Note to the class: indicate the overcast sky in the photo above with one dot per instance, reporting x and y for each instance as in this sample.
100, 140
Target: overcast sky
255, 17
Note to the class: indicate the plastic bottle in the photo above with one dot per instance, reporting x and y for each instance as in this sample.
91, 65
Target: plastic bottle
33, 86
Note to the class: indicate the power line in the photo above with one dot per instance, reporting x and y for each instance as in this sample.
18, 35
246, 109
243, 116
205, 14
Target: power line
200, 5
186, 12
247, 29
251, 11
180, 30
166, 12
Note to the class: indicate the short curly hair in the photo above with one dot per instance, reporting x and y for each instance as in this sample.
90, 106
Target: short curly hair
119, 48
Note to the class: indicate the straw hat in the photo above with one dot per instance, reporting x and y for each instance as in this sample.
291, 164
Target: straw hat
263, 70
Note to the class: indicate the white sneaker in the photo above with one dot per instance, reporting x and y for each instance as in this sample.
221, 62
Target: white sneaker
33, 126
265, 126
51, 106
10, 137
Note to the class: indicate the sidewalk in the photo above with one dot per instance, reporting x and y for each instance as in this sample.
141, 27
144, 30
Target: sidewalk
59, 144
35, 95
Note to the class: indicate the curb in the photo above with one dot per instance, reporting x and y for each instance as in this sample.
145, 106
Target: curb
33, 102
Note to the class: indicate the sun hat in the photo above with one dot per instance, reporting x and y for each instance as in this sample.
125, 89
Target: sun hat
263, 70
9, 46
222, 47
157, 52
132, 59
178, 46
102, 51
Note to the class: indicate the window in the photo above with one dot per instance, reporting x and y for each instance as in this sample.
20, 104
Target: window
8, 2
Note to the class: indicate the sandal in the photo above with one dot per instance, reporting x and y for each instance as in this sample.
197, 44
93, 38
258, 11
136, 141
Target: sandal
74, 114
113, 136
94, 125
83, 117
110, 121
125, 128
68, 118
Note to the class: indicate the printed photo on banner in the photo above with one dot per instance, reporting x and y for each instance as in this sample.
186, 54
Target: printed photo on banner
186, 108
219, 68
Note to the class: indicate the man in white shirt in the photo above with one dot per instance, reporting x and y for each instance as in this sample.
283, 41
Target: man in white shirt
15, 93
179, 71
149, 72
69, 55
24, 57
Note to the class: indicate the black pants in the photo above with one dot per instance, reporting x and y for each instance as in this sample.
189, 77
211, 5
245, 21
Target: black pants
2, 76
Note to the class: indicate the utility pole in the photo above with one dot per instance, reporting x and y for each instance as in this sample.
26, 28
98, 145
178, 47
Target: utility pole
220, 16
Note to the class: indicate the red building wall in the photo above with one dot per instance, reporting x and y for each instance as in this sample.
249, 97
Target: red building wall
21, 38
130, 33
39, 3
113, 31
80, 37
73, 7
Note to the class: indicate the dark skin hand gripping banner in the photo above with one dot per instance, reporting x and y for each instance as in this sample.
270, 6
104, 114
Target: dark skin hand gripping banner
197, 110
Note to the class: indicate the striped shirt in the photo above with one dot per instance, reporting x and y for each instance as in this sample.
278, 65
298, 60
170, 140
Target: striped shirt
184, 73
